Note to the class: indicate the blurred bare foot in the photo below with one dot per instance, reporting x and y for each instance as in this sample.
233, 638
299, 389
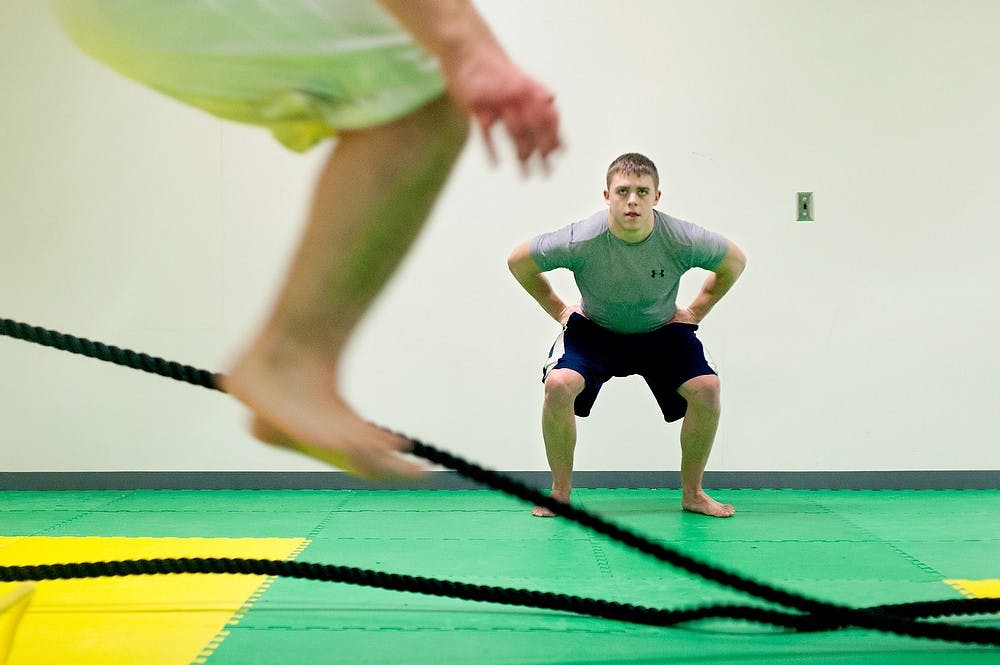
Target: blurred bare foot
298, 407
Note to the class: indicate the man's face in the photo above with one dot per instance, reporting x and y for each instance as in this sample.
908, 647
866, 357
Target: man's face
630, 201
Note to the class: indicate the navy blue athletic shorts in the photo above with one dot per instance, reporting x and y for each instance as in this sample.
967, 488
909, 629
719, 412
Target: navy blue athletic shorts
665, 358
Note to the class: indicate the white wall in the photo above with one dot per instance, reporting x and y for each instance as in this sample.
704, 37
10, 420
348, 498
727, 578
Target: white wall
862, 341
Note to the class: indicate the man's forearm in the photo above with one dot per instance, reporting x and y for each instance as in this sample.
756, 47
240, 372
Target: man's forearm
711, 292
718, 283
450, 29
539, 288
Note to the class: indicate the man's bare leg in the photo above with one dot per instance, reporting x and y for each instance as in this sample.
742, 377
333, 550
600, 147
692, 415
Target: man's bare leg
701, 421
373, 196
559, 432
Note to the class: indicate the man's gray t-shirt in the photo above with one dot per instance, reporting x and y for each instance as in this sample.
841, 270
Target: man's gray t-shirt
629, 287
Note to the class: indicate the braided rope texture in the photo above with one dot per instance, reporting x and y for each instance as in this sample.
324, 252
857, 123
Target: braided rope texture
815, 614
605, 609
111, 354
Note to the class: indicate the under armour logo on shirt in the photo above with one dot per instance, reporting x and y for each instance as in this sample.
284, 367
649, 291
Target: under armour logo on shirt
657, 273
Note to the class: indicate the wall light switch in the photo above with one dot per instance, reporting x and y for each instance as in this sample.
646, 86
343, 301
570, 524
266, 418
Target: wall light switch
805, 207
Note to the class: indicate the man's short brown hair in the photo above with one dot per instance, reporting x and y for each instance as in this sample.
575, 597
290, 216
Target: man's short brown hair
632, 163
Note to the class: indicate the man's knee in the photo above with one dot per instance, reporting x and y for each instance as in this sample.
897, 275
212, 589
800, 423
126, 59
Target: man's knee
704, 391
562, 386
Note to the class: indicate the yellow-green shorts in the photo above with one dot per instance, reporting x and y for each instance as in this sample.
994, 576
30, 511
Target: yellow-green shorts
302, 68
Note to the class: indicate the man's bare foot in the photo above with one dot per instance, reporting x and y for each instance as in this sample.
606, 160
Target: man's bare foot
542, 511
364, 464
300, 409
706, 505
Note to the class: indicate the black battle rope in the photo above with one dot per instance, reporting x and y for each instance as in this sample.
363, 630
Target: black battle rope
821, 615
605, 609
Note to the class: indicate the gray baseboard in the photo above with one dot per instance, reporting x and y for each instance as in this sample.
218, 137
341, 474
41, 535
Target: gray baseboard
449, 480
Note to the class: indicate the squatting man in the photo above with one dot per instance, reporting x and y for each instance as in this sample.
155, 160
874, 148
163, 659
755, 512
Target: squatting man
628, 261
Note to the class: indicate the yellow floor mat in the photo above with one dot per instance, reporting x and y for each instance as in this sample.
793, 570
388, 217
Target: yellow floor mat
155, 619
14, 600
977, 588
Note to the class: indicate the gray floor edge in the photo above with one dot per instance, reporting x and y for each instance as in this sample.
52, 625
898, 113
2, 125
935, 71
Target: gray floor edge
449, 480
